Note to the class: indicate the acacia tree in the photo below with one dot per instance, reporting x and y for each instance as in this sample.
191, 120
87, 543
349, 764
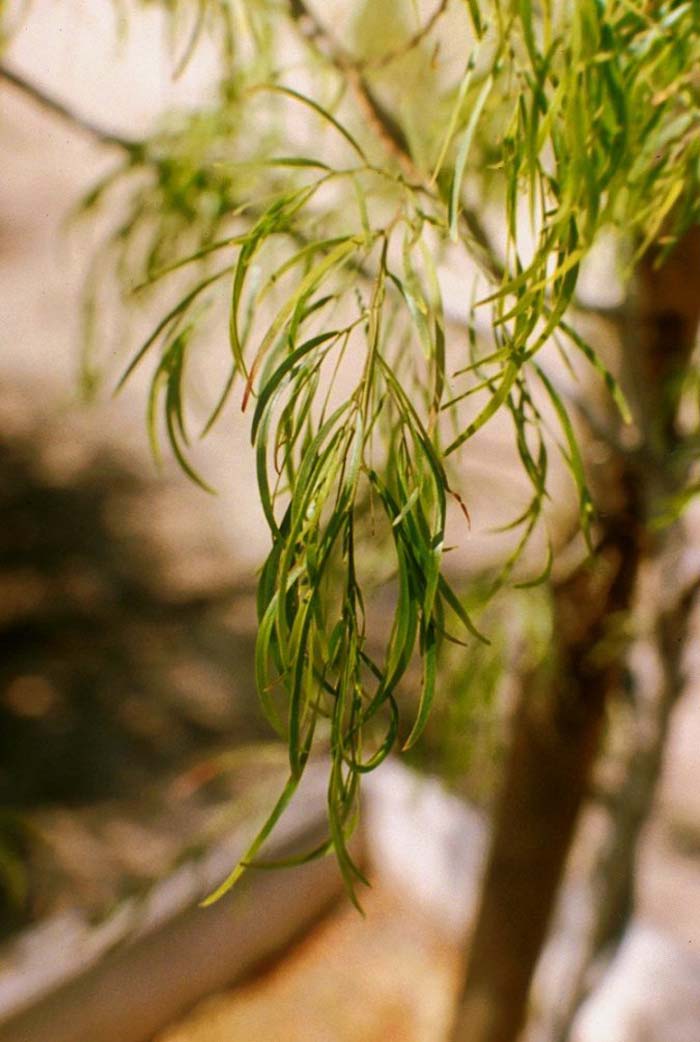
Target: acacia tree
329, 238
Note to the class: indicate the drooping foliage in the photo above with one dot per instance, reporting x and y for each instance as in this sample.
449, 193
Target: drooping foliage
323, 198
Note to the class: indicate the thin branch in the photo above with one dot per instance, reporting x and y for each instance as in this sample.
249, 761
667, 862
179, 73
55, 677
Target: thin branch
629, 805
382, 123
410, 44
596, 427
615, 314
57, 108
314, 32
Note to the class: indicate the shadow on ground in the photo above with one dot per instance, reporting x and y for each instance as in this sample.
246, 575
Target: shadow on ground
126, 648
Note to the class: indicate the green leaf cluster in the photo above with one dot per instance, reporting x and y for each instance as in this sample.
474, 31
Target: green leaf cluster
580, 116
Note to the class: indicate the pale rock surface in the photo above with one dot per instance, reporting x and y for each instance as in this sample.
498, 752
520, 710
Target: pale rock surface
426, 842
651, 993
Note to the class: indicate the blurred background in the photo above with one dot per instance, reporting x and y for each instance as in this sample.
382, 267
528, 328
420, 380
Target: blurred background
131, 738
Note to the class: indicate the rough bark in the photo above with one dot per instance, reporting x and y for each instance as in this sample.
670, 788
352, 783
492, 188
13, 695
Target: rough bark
555, 738
657, 344
646, 718
558, 722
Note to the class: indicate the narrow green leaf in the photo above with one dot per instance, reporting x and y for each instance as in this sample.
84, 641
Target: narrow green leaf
463, 155
296, 95
240, 867
428, 689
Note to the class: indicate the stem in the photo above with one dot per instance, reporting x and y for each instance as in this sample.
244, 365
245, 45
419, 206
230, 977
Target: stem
560, 716
57, 108
556, 734
386, 129
668, 314
379, 119
410, 44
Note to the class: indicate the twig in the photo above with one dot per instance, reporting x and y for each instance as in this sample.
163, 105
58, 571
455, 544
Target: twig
382, 123
629, 807
596, 427
51, 104
615, 314
409, 45
315, 33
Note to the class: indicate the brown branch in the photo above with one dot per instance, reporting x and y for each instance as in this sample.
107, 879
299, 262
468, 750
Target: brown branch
612, 883
386, 129
57, 108
410, 44
596, 426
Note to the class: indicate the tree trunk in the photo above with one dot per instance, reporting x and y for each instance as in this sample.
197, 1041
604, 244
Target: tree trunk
644, 720
558, 722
